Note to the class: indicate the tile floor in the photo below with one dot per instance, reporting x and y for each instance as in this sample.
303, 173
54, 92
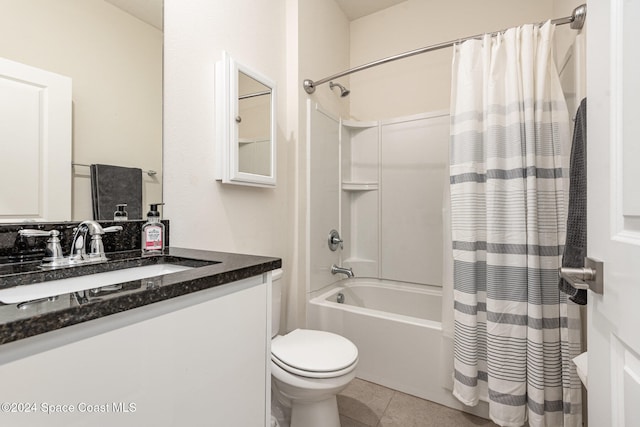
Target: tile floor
365, 404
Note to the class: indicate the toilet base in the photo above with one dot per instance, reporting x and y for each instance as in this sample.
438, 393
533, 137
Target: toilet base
315, 414
281, 411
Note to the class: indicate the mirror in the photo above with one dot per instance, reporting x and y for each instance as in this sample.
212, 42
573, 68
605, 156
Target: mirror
114, 60
245, 123
254, 126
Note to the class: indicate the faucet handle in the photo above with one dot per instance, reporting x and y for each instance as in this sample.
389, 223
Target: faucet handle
96, 246
53, 253
334, 240
28, 232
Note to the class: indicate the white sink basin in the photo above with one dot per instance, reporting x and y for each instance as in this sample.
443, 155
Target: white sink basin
52, 288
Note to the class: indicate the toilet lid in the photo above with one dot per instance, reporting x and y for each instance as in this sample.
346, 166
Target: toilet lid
314, 351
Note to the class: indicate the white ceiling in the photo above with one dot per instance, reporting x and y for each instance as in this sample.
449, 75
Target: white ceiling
149, 11
355, 9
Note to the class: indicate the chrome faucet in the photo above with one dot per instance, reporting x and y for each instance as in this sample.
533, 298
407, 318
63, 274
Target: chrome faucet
95, 231
337, 269
87, 229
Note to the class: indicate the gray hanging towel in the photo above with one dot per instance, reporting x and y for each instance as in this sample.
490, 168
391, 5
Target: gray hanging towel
113, 185
575, 248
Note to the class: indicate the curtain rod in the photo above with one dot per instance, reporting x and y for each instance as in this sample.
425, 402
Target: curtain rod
576, 20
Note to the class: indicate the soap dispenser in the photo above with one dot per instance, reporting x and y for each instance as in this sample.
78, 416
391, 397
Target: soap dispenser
153, 232
120, 214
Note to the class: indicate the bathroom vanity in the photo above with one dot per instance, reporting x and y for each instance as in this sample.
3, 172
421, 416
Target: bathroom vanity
189, 347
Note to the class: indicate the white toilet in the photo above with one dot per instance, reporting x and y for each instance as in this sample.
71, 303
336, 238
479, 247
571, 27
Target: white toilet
308, 369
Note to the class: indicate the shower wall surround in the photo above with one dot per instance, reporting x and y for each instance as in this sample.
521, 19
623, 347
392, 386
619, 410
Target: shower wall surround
392, 196
323, 194
386, 197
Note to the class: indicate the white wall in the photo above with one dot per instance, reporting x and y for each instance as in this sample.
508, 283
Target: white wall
324, 46
204, 213
115, 62
423, 83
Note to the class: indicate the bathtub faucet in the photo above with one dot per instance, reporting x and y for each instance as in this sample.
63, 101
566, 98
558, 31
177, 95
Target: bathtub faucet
336, 269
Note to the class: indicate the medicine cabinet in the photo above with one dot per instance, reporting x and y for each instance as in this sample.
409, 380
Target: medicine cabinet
245, 125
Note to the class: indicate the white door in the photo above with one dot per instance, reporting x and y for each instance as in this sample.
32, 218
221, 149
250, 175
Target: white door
35, 144
613, 91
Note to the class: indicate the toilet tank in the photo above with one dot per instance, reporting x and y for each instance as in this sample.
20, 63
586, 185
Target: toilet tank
276, 300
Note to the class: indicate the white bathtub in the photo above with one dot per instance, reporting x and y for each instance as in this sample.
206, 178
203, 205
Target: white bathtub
397, 329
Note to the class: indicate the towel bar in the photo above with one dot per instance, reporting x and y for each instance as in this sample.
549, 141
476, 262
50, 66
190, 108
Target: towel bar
149, 172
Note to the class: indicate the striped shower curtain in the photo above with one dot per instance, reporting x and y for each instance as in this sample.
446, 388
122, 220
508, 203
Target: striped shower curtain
514, 332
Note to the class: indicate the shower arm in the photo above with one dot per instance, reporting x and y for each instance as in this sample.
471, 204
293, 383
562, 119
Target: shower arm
576, 20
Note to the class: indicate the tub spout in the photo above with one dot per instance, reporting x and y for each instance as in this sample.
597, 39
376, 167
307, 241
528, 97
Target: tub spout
347, 271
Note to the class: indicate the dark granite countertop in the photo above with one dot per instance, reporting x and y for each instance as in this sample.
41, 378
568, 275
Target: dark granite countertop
210, 269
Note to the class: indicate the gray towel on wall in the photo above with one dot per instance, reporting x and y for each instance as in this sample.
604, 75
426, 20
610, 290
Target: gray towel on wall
113, 185
575, 248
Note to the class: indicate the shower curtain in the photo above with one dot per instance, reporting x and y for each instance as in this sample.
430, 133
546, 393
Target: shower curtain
514, 333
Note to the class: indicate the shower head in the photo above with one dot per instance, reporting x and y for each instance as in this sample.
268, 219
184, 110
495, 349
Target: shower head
343, 90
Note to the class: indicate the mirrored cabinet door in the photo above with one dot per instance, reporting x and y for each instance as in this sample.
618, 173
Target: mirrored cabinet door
254, 126
245, 123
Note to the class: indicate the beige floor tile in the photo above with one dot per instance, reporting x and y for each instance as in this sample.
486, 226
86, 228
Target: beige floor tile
364, 402
348, 422
409, 411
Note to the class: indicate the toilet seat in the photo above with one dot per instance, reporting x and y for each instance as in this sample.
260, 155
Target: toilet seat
314, 354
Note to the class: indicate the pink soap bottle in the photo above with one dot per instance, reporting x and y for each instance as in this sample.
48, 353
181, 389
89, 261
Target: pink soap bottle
153, 232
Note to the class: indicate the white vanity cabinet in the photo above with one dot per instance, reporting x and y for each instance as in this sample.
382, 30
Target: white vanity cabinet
196, 360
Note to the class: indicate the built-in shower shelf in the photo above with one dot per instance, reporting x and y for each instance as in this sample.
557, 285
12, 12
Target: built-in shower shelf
359, 186
354, 124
